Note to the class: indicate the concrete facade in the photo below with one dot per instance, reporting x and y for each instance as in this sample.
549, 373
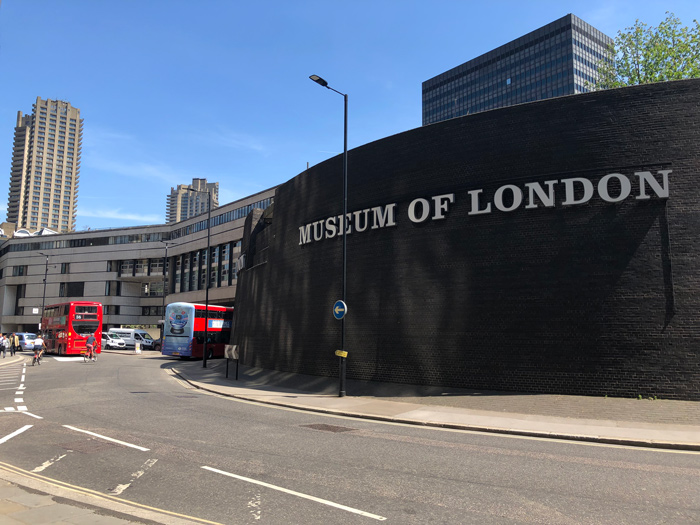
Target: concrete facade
46, 167
122, 268
188, 200
546, 247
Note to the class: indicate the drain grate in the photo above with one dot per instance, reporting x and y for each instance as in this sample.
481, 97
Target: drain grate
329, 428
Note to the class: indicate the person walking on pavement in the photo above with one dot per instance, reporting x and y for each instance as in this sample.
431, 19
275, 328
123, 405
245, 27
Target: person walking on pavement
5, 345
15, 344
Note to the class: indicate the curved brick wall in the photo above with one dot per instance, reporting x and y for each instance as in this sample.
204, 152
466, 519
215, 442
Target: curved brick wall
596, 298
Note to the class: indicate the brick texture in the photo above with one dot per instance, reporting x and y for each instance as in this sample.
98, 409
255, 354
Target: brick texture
595, 299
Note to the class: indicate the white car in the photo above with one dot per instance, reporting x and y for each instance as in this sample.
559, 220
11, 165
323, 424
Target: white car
112, 341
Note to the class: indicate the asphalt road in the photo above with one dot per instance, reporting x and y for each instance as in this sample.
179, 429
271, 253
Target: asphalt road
125, 427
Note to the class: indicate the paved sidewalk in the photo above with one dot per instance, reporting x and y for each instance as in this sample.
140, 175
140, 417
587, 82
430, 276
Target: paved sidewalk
645, 422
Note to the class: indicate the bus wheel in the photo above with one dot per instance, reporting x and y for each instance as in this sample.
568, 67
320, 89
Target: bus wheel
60, 350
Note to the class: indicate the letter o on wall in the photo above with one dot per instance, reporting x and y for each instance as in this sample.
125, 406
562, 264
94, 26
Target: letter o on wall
517, 197
425, 210
625, 187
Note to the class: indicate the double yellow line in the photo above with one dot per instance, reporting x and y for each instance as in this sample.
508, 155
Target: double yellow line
106, 497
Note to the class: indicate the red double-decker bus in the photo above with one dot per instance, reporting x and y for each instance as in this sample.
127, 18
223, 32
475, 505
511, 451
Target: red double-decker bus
184, 332
67, 326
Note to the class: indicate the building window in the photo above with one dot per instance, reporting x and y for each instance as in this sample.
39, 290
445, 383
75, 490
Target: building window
110, 309
113, 288
19, 270
126, 268
65, 267
152, 310
154, 289
141, 267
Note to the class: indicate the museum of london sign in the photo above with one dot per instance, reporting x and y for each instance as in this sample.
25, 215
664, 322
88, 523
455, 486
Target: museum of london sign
507, 198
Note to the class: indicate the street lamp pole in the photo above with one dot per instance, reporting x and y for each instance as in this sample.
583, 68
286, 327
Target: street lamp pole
165, 287
43, 297
343, 364
208, 266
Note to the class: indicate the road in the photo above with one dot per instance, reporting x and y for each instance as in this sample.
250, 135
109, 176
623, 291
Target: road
126, 427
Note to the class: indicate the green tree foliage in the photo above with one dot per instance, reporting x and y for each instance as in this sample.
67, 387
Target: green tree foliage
643, 54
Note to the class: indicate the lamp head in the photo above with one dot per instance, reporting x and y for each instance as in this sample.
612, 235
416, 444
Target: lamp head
319, 80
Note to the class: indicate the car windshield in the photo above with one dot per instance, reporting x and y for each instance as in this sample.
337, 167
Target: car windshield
147, 337
29, 337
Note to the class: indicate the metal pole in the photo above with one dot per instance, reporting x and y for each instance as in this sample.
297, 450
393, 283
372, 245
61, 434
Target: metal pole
342, 373
165, 285
341, 392
43, 297
206, 296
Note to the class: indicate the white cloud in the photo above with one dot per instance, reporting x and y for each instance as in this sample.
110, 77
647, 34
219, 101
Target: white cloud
117, 213
136, 169
229, 139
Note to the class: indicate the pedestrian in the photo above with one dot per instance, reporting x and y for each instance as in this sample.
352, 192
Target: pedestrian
15, 344
5, 345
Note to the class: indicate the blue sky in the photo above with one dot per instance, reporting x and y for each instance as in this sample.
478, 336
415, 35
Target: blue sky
175, 89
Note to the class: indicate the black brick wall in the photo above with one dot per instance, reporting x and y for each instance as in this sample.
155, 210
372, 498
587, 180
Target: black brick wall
596, 299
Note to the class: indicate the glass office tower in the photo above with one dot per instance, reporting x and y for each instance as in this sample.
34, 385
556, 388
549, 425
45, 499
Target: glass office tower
554, 60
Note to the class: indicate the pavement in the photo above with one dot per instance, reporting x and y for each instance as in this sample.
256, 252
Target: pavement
651, 423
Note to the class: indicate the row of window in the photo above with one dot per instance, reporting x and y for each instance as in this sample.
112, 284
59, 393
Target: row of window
556, 85
238, 213
560, 53
463, 71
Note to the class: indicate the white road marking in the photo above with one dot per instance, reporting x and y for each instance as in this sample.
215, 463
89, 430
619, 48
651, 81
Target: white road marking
299, 494
15, 433
107, 438
33, 415
69, 358
19, 400
136, 475
9, 409
22, 408
47, 464
19, 393
23, 376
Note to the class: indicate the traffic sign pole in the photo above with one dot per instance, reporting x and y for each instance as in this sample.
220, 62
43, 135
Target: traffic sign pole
340, 309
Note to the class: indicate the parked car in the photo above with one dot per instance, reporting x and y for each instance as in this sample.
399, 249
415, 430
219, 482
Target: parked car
26, 340
112, 341
131, 336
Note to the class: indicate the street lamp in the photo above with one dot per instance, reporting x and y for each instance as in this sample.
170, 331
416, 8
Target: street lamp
165, 286
43, 297
321, 82
206, 296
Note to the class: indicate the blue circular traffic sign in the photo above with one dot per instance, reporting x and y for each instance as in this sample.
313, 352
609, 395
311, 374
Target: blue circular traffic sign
340, 309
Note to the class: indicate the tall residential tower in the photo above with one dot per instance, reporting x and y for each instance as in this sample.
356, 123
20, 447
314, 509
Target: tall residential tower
45, 167
557, 59
188, 200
